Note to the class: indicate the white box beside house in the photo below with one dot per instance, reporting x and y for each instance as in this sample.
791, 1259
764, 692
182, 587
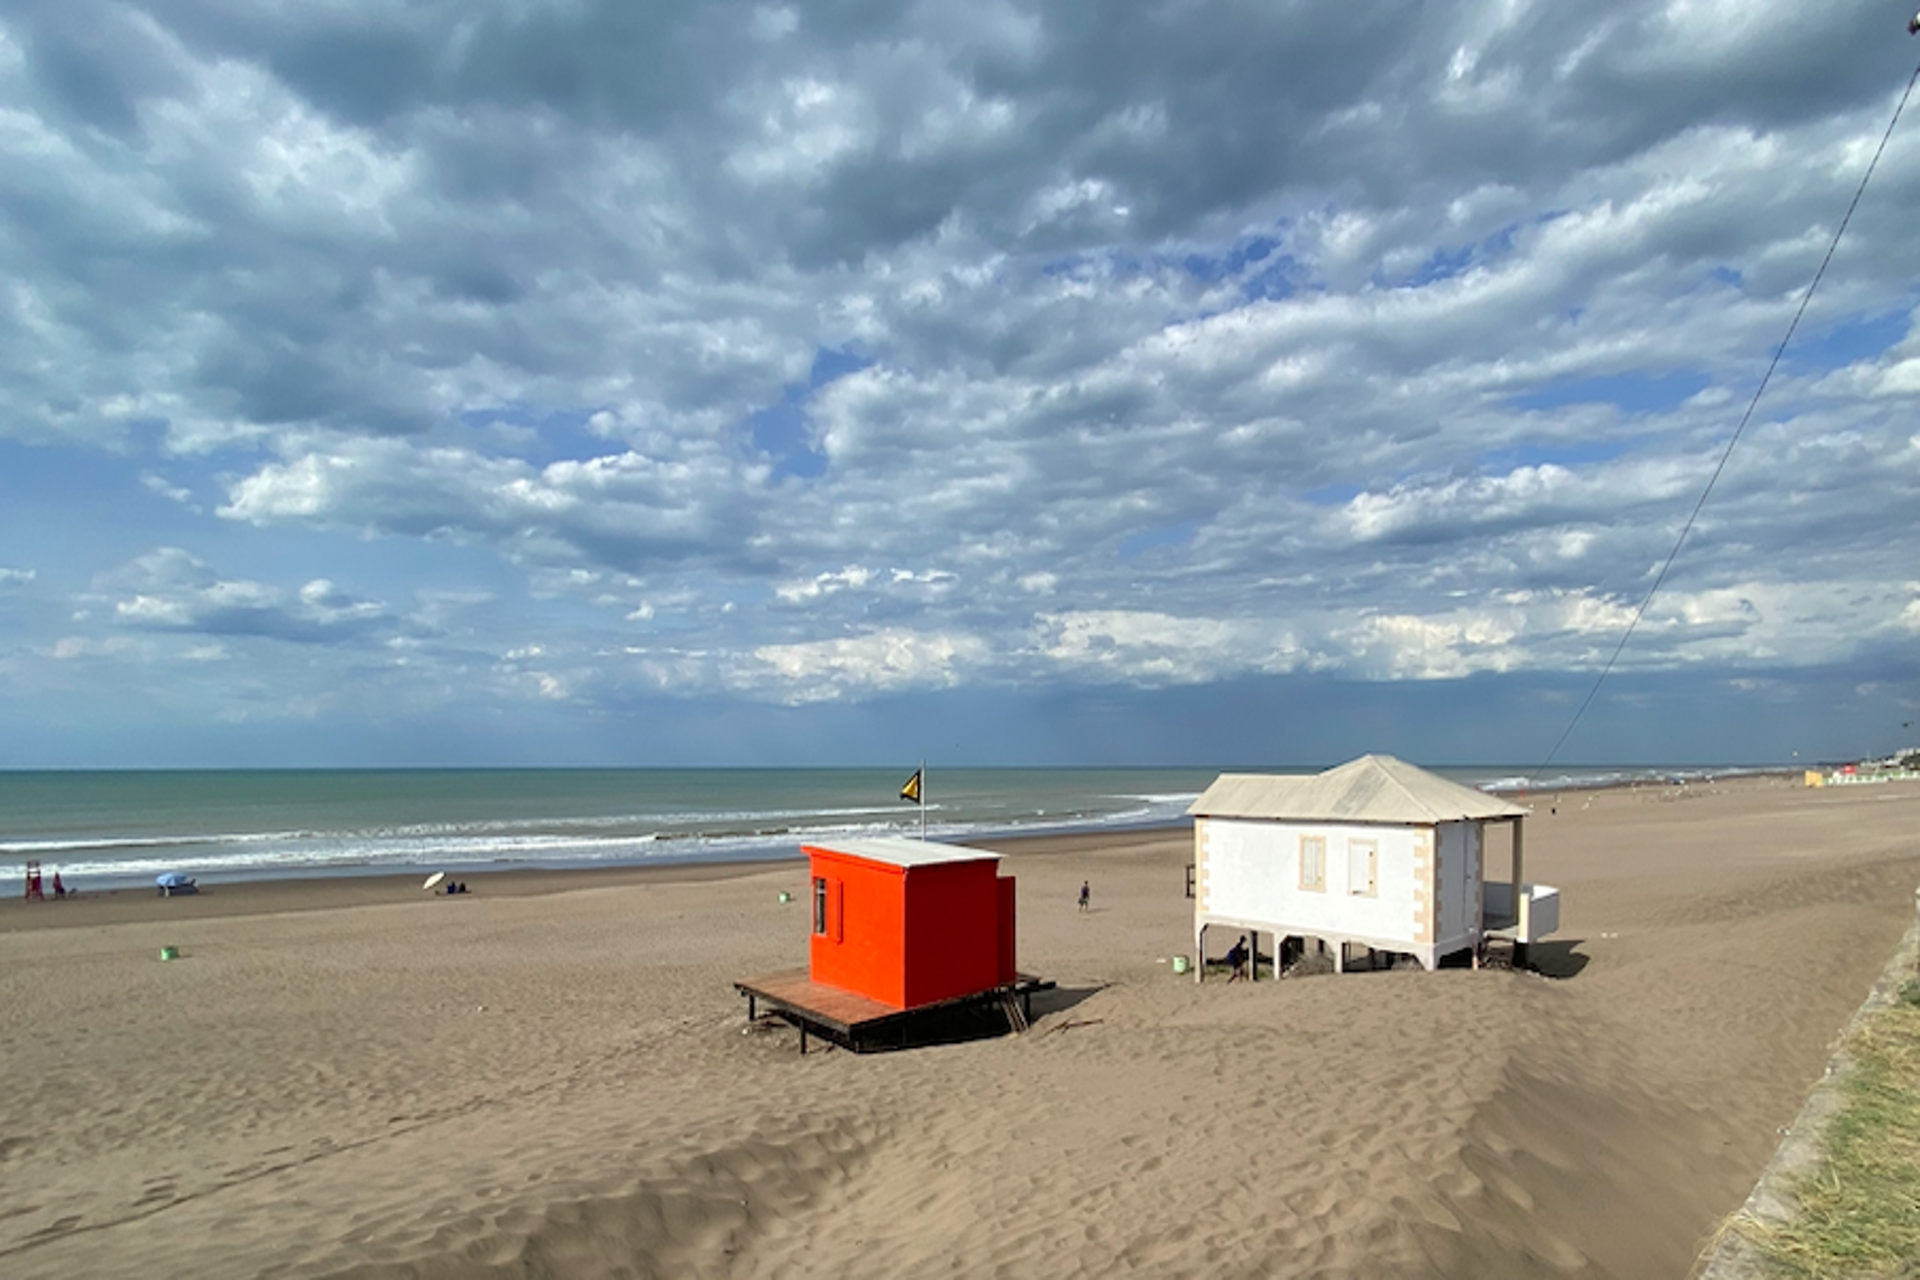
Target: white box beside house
1377, 853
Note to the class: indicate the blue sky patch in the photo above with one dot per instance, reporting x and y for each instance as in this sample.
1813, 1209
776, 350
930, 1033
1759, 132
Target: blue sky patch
1848, 342
1273, 282
1502, 240
1333, 495
1263, 272
558, 435
1135, 545
1231, 261
830, 365
1632, 392
61, 508
781, 429
1442, 264
1448, 263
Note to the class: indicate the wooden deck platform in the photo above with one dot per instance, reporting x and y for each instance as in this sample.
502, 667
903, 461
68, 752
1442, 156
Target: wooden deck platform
859, 1023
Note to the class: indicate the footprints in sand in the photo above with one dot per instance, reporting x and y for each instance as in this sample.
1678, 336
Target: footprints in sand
688, 1214
52, 1231
157, 1191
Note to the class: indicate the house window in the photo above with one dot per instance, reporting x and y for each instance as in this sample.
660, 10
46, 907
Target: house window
1313, 863
1363, 865
820, 905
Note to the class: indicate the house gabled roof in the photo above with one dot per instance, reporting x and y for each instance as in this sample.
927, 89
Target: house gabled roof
898, 851
1371, 789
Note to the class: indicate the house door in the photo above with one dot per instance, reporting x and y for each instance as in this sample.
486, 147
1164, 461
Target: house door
1363, 867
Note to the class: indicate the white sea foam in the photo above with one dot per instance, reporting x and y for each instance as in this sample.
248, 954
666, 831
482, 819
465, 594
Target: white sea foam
464, 847
81, 844
334, 823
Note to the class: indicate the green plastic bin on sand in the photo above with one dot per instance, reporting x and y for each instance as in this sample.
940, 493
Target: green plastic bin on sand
1179, 964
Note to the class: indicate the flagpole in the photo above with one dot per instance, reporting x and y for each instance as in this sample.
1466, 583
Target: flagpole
923, 799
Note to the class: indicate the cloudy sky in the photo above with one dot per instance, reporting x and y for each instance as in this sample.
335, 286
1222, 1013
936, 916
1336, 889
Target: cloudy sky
1001, 382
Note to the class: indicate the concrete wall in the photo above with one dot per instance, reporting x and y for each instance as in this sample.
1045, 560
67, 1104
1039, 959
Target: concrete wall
1248, 873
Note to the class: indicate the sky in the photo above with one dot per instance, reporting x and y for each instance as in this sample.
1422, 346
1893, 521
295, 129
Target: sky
991, 383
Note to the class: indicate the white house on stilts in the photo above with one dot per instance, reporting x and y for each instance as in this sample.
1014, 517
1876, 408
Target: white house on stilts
1376, 853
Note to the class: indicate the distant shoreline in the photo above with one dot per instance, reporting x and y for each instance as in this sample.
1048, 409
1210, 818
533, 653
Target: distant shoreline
1678, 777
222, 896
229, 898
510, 874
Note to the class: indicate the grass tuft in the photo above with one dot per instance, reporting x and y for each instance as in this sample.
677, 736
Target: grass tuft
1860, 1210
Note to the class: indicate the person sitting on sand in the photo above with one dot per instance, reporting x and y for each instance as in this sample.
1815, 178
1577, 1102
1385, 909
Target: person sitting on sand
1237, 959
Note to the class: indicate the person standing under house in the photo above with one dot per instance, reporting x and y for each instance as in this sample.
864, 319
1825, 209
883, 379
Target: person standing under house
1237, 959
1086, 895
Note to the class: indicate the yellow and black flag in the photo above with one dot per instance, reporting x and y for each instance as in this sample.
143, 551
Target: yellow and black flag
911, 791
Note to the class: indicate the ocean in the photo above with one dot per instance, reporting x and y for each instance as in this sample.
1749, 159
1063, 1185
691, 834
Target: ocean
120, 829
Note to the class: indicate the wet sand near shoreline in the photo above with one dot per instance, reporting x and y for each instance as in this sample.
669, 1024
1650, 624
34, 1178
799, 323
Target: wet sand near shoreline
549, 1076
330, 893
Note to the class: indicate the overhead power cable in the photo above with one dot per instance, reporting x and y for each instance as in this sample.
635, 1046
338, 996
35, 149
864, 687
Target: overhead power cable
1694, 515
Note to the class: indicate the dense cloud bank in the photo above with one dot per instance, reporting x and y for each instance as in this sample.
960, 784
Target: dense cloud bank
412, 364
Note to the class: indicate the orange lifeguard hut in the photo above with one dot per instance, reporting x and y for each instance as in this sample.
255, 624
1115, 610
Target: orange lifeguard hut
896, 928
909, 922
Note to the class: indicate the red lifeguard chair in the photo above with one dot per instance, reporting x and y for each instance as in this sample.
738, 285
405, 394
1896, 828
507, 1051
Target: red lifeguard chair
34, 891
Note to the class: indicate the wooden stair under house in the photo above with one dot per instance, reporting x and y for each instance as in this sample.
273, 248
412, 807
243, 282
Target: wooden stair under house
1015, 1007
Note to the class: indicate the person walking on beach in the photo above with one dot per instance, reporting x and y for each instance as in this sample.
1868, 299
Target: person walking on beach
1086, 895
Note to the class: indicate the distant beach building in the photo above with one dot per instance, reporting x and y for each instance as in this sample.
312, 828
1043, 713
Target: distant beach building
1375, 853
1902, 766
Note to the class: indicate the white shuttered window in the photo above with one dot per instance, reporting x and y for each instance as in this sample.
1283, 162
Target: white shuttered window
1313, 863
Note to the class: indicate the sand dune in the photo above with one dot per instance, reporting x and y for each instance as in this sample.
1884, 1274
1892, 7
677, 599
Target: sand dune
551, 1078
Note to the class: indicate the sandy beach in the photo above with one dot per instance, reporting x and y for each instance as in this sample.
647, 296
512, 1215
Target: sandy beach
552, 1077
